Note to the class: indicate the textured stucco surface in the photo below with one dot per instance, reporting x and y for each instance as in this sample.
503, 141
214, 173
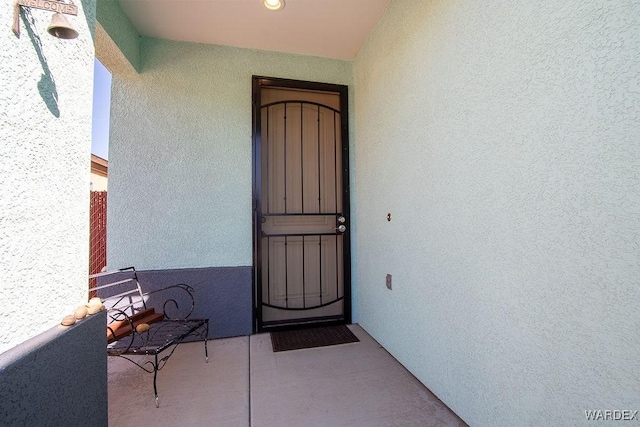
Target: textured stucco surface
180, 152
45, 147
43, 383
110, 55
119, 29
504, 139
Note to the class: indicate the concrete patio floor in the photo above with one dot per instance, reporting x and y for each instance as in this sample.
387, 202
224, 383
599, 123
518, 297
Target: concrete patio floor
246, 384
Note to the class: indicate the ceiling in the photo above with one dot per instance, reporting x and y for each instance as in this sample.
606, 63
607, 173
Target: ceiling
328, 28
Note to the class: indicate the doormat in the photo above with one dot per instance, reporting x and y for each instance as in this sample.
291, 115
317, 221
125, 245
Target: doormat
312, 337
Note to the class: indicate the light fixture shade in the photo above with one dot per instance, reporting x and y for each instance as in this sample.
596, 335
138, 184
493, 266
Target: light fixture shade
274, 4
61, 28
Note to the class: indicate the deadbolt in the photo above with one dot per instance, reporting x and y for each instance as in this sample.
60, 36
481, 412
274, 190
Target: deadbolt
342, 219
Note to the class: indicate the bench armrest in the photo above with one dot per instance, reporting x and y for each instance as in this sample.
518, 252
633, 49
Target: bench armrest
174, 293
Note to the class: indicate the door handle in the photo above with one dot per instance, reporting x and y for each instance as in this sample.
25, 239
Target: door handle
341, 228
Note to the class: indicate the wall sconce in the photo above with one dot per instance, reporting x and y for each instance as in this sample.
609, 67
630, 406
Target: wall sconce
59, 26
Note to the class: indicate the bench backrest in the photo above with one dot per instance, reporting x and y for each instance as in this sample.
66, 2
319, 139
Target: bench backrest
120, 289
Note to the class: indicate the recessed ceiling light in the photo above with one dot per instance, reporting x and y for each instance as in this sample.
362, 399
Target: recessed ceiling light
274, 4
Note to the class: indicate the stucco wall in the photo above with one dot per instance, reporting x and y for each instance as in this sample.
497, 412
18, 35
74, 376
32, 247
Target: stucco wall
180, 152
504, 139
45, 150
120, 30
58, 378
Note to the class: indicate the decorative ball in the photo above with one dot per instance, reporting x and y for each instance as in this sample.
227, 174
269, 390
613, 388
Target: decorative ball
95, 300
94, 307
80, 312
68, 320
142, 327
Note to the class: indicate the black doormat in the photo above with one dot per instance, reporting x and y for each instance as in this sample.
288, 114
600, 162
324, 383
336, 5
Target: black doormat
312, 337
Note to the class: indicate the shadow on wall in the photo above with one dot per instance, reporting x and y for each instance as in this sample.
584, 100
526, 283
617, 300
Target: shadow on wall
224, 295
47, 84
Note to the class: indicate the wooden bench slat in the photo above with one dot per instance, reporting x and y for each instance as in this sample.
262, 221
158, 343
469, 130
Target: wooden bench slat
121, 328
109, 273
132, 291
108, 285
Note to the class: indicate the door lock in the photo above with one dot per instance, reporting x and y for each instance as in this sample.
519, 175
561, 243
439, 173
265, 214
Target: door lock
342, 228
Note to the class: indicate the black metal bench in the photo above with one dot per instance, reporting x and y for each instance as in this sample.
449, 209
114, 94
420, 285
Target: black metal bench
135, 328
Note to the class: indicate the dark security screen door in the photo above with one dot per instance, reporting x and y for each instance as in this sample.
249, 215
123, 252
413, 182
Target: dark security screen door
301, 216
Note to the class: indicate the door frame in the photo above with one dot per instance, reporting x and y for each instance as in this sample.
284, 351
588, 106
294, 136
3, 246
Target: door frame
258, 83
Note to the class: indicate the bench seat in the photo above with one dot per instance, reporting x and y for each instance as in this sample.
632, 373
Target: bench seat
126, 304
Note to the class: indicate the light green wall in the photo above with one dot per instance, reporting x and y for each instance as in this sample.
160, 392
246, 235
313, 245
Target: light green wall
120, 30
180, 152
46, 89
504, 139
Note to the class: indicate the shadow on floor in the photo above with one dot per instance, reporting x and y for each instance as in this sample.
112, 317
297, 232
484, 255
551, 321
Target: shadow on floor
246, 384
